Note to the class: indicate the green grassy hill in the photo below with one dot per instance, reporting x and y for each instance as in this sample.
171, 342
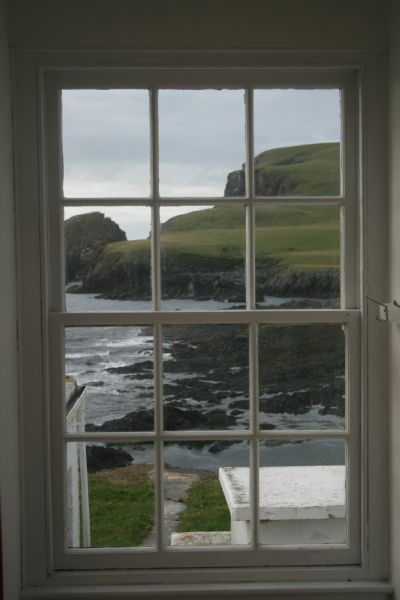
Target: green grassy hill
311, 169
302, 238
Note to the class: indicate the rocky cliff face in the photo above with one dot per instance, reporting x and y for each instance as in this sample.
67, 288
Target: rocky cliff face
85, 235
266, 183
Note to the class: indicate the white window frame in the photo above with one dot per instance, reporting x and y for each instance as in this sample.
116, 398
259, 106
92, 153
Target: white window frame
38, 80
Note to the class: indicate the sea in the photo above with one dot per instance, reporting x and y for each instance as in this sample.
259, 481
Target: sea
91, 351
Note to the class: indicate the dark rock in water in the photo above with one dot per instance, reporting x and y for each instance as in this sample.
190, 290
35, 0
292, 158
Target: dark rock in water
176, 417
139, 367
74, 289
268, 426
236, 412
139, 420
243, 404
100, 458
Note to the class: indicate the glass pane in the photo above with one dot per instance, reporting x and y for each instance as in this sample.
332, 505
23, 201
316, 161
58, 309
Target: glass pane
302, 376
197, 505
107, 258
110, 495
206, 379
298, 256
109, 379
106, 143
203, 257
202, 135
303, 492
297, 142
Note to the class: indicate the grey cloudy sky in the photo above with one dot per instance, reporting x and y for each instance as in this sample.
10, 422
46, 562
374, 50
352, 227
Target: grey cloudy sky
106, 141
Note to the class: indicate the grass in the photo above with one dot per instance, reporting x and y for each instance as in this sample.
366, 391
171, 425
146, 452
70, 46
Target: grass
121, 515
301, 238
122, 511
206, 508
311, 169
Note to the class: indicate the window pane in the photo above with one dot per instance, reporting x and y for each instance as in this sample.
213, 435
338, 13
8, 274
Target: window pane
107, 258
197, 508
297, 142
201, 134
303, 492
109, 379
298, 256
302, 376
205, 377
202, 257
106, 148
110, 495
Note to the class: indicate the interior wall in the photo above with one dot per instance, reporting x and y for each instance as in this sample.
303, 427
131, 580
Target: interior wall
394, 291
158, 24
8, 329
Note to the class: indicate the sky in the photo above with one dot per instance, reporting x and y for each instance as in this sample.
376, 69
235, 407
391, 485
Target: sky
106, 141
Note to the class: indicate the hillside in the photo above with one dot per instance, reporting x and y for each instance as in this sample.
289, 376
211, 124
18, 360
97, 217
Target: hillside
311, 169
202, 251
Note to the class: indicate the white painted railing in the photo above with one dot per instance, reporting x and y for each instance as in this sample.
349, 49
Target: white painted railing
78, 511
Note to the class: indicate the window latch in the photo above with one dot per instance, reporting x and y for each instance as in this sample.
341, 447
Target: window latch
387, 311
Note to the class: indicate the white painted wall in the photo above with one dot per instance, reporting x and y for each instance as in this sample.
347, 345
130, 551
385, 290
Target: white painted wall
394, 287
8, 350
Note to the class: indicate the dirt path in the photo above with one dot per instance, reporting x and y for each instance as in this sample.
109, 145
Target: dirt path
176, 485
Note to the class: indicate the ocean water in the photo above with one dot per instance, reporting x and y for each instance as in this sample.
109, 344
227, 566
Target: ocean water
91, 351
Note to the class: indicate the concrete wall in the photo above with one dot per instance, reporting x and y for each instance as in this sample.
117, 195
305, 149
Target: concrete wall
174, 24
8, 349
394, 291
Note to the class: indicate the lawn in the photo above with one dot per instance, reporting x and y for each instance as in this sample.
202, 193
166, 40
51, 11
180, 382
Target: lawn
121, 515
206, 508
122, 512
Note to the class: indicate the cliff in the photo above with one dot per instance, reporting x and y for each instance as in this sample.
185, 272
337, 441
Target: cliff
84, 236
311, 169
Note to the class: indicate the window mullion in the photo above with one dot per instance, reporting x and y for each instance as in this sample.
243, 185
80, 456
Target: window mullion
254, 416
250, 222
154, 147
155, 224
158, 427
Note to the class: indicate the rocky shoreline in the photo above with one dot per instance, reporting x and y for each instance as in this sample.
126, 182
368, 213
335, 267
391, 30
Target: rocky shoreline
225, 286
206, 378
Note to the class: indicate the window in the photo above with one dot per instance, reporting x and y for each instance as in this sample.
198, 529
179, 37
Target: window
204, 330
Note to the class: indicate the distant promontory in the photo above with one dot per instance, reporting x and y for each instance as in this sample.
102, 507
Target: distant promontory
202, 252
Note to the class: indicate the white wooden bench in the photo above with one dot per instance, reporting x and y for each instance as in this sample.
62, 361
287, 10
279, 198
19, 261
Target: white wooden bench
298, 505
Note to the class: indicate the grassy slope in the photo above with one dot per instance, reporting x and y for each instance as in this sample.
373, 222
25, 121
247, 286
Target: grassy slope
302, 237
206, 508
121, 515
312, 168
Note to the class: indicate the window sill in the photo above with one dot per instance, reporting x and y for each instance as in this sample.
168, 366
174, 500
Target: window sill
374, 590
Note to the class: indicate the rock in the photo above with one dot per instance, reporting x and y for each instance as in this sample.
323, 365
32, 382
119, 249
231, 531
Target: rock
85, 235
102, 457
139, 367
139, 420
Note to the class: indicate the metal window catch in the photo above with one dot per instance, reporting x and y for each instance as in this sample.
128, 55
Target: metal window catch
387, 311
